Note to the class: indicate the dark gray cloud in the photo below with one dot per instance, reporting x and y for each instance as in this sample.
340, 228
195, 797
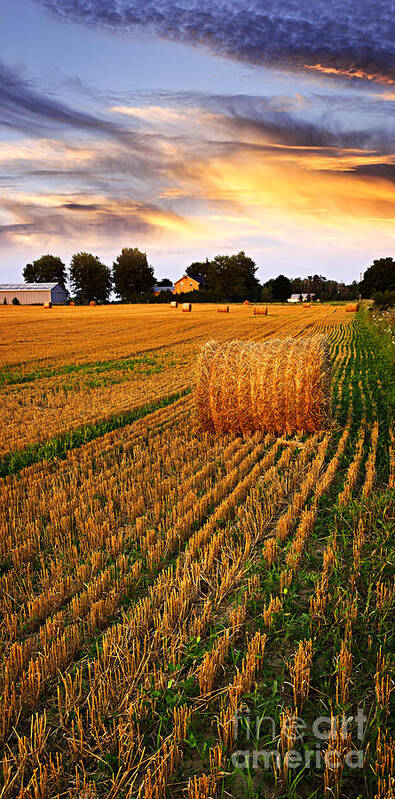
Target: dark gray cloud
350, 37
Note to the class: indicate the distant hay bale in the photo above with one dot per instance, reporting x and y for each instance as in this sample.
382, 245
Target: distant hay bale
260, 311
92, 303
246, 302
351, 307
72, 303
174, 304
47, 304
279, 386
186, 306
306, 305
223, 310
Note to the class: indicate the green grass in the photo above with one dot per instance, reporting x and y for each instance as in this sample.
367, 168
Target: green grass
8, 376
59, 446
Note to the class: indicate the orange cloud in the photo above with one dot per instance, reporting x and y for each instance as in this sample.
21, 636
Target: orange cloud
351, 73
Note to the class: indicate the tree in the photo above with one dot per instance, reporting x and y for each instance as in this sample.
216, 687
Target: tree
384, 299
47, 269
232, 278
266, 293
132, 275
198, 269
90, 279
379, 277
281, 288
164, 282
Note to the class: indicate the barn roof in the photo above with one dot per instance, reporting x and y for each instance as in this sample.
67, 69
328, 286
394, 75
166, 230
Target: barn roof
27, 286
197, 278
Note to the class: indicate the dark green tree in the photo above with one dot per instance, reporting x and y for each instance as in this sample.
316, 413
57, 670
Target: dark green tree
198, 269
266, 293
164, 282
384, 299
132, 274
297, 285
281, 288
47, 269
90, 279
379, 277
232, 278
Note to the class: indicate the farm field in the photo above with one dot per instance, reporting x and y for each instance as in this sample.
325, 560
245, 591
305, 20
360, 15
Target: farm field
186, 614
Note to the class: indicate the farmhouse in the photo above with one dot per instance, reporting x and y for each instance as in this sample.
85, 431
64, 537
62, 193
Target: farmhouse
187, 283
296, 297
32, 293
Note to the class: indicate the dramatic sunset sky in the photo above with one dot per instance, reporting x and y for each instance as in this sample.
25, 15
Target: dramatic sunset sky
191, 128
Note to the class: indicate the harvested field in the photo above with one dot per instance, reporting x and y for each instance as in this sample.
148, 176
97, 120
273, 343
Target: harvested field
164, 590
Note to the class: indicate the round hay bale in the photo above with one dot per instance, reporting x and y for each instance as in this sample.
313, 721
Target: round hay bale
260, 311
187, 306
72, 303
174, 304
223, 310
351, 307
246, 302
47, 304
306, 305
279, 386
92, 303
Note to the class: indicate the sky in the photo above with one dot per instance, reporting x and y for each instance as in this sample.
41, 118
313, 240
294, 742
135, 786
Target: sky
190, 129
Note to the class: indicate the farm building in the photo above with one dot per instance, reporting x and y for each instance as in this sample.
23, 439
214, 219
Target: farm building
187, 283
32, 293
296, 297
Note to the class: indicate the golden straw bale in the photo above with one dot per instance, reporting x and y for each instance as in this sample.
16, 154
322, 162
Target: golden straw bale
352, 306
47, 304
223, 310
186, 306
246, 302
282, 385
92, 303
72, 304
306, 305
174, 304
260, 311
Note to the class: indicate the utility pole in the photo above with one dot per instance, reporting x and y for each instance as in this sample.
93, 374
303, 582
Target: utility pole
360, 281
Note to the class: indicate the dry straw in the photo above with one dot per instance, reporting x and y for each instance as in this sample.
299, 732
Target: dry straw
92, 303
352, 306
47, 304
223, 310
174, 305
282, 385
186, 306
260, 311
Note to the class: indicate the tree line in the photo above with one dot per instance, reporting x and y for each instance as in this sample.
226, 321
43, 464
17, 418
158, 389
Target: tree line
225, 278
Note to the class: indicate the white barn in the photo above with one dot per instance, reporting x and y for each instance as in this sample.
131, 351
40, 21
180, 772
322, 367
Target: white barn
32, 293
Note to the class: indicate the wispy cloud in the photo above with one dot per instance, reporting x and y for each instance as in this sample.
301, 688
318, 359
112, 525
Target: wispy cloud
347, 40
24, 108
